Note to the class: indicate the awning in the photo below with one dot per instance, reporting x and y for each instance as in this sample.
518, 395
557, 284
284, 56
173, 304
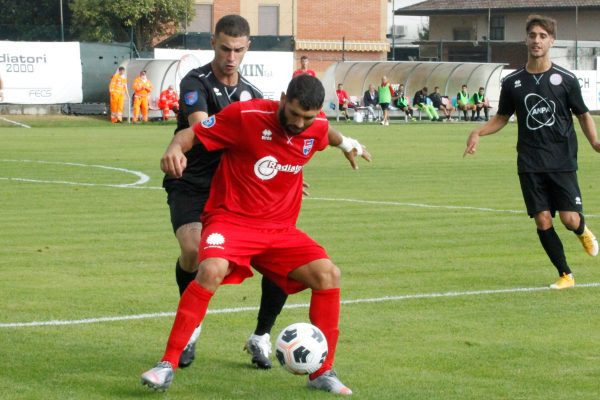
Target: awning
338, 45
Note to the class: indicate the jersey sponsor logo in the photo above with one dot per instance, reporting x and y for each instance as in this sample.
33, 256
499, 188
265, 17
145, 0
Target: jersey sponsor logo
209, 122
540, 111
267, 135
556, 79
245, 95
215, 241
268, 167
308, 145
191, 98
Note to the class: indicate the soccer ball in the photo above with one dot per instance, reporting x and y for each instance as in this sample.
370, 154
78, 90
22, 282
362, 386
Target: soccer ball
301, 348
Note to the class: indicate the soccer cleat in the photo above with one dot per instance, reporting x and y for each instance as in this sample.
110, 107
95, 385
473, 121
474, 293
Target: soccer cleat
160, 377
589, 242
189, 352
329, 382
564, 282
259, 347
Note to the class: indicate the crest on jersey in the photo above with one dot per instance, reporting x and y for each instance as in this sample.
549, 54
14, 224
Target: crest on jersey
191, 98
308, 145
556, 79
209, 122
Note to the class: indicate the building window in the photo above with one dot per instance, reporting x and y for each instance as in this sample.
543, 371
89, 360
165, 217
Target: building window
497, 28
268, 20
462, 34
202, 22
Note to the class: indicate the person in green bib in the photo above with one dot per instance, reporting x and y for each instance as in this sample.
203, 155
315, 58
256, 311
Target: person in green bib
463, 100
385, 92
403, 104
480, 103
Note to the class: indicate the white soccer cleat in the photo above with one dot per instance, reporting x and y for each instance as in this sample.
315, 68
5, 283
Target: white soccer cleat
329, 382
259, 347
160, 377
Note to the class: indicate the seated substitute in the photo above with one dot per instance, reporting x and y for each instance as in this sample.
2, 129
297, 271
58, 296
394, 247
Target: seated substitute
403, 104
420, 101
344, 102
168, 100
371, 101
438, 103
481, 103
463, 100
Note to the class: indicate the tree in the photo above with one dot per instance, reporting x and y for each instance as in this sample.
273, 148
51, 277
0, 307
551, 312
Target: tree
33, 20
117, 20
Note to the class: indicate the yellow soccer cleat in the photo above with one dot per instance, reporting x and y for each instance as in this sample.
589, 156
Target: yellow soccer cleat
564, 282
589, 242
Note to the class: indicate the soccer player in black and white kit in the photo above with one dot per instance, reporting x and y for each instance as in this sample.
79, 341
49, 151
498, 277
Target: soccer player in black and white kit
544, 96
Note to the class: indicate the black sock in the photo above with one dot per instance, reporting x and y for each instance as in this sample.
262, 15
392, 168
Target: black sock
486, 112
554, 249
271, 303
581, 227
183, 278
465, 113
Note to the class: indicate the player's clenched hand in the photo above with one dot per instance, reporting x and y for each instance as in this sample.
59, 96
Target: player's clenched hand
472, 142
173, 162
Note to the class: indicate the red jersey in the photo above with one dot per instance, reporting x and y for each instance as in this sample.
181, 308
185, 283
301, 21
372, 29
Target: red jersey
259, 179
301, 71
168, 97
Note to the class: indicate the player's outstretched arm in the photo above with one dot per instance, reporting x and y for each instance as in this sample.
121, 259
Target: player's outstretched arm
173, 161
496, 123
589, 130
350, 147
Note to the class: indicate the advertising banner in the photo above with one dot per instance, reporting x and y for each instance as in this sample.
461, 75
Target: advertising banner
40, 72
269, 71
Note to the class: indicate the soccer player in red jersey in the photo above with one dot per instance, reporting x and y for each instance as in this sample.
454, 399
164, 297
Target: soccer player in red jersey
304, 68
250, 217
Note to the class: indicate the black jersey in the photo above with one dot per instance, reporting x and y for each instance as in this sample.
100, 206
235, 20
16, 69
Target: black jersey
544, 102
200, 90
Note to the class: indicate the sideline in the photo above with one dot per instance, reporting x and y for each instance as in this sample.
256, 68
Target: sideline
290, 306
15, 123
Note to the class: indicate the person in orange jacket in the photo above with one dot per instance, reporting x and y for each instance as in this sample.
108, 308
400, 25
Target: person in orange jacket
169, 100
118, 91
142, 88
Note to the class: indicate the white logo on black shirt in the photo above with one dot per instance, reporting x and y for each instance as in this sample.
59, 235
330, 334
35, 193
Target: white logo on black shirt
517, 83
540, 111
217, 91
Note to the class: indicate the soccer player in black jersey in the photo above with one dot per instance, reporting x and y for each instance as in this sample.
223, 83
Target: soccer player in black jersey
544, 96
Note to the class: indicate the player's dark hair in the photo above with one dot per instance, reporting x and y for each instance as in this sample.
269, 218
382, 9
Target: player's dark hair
304, 58
233, 25
308, 90
548, 24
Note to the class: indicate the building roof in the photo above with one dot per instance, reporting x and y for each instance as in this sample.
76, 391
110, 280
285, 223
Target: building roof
437, 7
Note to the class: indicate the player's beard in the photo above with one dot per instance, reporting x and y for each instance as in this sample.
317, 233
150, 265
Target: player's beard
292, 130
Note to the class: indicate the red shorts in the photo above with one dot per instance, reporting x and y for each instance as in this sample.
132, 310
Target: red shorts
272, 252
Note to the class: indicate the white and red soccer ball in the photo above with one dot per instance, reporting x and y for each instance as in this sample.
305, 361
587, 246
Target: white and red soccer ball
301, 348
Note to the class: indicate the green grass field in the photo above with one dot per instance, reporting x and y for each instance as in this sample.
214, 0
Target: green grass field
444, 278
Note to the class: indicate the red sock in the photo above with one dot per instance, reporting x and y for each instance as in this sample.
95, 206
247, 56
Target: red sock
324, 313
190, 312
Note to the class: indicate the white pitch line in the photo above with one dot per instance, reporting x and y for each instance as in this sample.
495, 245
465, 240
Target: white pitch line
290, 306
15, 123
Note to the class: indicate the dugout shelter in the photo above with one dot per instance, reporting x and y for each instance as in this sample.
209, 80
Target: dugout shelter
449, 76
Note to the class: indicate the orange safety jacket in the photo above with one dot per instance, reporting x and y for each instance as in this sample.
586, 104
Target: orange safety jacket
142, 88
118, 84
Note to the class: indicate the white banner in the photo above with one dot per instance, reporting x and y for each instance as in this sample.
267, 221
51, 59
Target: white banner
40, 72
269, 71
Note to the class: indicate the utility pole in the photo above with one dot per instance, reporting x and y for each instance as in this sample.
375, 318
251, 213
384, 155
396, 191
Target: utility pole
62, 24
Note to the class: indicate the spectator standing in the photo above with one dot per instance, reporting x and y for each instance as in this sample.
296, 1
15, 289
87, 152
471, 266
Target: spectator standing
304, 68
118, 92
169, 100
142, 88
385, 92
